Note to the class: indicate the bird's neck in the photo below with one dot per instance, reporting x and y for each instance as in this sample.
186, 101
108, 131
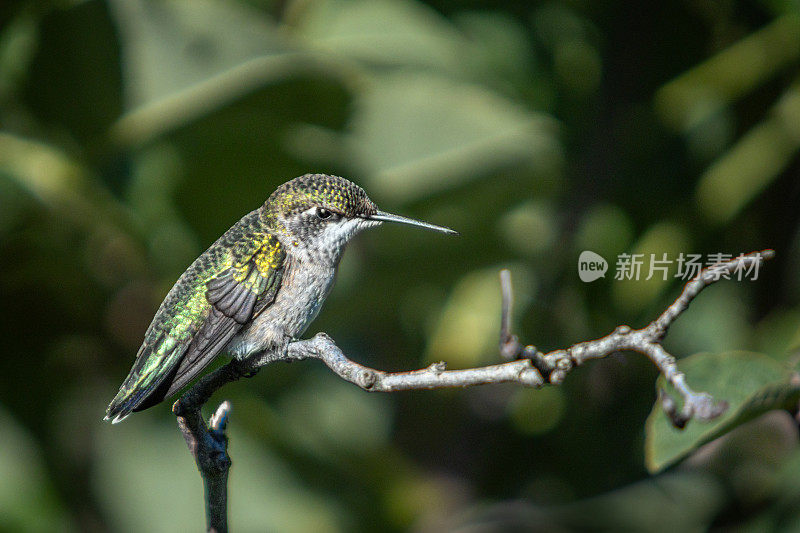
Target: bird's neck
313, 255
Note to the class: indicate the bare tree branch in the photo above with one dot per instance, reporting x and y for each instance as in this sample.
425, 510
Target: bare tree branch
436, 376
536, 368
526, 365
208, 443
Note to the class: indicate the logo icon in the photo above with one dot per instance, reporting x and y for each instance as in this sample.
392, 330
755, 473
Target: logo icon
591, 266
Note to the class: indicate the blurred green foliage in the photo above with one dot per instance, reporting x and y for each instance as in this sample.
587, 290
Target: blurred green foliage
134, 132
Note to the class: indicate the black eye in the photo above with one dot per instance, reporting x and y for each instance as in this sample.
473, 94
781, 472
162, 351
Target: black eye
323, 213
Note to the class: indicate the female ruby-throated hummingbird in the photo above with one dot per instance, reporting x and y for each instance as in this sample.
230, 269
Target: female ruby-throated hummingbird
254, 290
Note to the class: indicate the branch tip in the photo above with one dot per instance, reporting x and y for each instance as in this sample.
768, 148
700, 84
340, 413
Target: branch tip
219, 420
670, 407
438, 367
510, 347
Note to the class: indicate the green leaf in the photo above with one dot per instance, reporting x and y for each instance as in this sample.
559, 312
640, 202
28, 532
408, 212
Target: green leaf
751, 383
173, 47
416, 133
384, 32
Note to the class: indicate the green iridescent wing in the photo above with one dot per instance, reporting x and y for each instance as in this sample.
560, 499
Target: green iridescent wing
222, 290
236, 296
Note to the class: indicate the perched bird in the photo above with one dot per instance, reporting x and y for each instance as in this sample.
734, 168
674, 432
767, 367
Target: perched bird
256, 289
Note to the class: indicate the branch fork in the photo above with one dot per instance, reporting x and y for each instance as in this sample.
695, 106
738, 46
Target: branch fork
209, 447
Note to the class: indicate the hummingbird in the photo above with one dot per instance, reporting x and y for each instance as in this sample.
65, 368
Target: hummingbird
255, 290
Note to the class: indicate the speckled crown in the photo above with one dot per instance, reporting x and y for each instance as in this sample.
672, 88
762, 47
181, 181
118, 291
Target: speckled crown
331, 192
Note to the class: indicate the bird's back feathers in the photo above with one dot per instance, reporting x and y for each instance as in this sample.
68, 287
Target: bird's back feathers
237, 277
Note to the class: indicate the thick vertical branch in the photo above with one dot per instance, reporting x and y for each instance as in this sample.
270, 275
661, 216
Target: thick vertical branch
208, 443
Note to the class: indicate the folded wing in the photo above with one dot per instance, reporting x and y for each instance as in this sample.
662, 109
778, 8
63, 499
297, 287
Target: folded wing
188, 332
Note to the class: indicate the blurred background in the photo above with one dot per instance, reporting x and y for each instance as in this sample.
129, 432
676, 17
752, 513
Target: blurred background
134, 132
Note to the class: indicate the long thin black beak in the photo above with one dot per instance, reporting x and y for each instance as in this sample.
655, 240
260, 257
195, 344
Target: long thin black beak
389, 217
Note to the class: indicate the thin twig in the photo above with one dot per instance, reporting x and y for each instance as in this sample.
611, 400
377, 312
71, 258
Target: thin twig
509, 343
704, 279
435, 376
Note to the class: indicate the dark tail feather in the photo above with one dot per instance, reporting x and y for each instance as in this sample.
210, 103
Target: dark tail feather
126, 401
176, 382
157, 395
138, 387
177, 366
120, 407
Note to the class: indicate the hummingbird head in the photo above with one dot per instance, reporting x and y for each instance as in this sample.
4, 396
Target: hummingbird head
318, 214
